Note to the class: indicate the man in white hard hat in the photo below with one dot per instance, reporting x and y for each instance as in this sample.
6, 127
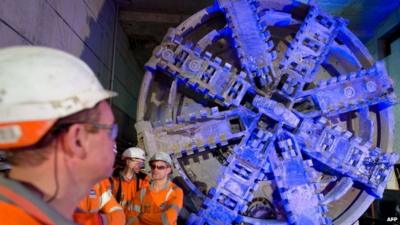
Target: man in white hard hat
159, 203
130, 179
57, 131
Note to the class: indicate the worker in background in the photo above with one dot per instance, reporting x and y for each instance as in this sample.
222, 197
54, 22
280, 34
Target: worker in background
57, 131
159, 203
127, 182
99, 207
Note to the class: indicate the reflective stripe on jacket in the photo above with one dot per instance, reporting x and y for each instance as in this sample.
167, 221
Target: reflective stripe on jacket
157, 208
99, 200
18, 205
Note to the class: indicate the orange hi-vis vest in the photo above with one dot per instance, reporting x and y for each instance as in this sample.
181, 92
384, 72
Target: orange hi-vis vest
99, 202
19, 206
125, 190
157, 207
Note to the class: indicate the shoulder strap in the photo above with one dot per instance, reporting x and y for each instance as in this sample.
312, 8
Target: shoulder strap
119, 191
116, 174
137, 182
16, 194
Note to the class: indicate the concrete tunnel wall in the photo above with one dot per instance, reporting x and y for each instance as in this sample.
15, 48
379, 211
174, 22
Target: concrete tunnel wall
84, 28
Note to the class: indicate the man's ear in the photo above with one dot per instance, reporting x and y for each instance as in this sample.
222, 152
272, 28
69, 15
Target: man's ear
74, 141
170, 169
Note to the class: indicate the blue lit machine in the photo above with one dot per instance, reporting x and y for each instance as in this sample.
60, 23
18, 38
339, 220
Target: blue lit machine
273, 112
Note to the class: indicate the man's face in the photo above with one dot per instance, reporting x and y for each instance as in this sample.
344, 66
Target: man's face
134, 163
159, 170
100, 144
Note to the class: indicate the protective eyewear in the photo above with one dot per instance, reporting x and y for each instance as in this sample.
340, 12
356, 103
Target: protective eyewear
113, 128
139, 161
158, 167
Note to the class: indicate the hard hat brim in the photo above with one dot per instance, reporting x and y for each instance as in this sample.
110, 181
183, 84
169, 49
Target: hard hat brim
22, 134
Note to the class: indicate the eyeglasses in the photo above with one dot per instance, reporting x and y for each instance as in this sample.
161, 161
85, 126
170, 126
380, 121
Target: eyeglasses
139, 161
158, 167
113, 128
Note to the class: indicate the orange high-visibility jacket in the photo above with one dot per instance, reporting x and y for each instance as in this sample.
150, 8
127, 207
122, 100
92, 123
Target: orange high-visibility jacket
125, 190
157, 207
99, 200
19, 206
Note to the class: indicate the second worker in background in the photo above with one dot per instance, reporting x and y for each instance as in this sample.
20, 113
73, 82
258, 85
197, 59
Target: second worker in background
159, 203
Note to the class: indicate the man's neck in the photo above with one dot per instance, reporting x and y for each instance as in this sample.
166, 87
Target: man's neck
128, 173
63, 198
65, 205
159, 184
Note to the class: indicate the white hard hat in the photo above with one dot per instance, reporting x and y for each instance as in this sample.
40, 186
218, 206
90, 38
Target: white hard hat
134, 152
161, 156
39, 85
